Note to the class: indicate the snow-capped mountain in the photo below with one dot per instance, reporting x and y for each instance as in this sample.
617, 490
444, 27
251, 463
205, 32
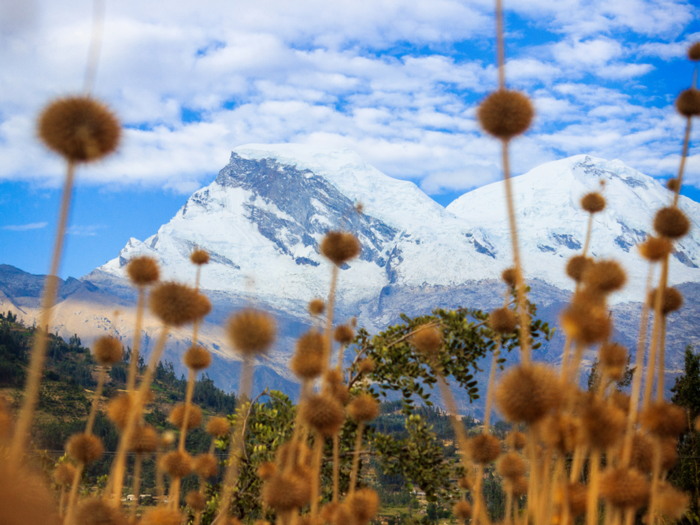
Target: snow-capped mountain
264, 215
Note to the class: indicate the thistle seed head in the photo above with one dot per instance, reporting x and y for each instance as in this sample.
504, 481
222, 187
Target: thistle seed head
672, 300
671, 223
502, 321
366, 365
363, 505
107, 350
344, 334
363, 408
64, 474
427, 339
177, 304
161, 516
655, 249
672, 502
196, 500
511, 465
484, 449
24, 497
177, 464
118, 410
462, 510
84, 448
96, 511
309, 359
286, 492
267, 470
694, 52
199, 257
624, 488
688, 103
197, 358
510, 277
586, 321
664, 419
205, 465
144, 440
218, 427
79, 128
194, 416
593, 202
576, 266
604, 277
143, 270
340, 247
251, 332
324, 414
518, 486
672, 184
613, 357
516, 440
527, 393
578, 498
602, 424
560, 432
317, 307
505, 114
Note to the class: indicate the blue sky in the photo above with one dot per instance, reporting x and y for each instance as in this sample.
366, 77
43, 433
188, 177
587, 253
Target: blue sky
397, 81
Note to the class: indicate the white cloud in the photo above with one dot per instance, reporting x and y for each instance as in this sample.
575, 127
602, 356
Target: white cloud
25, 227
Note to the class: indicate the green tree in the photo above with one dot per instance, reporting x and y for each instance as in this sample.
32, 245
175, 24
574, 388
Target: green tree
686, 393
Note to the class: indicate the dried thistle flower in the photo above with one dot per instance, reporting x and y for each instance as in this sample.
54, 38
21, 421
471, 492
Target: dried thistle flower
363, 408
84, 448
518, 486
24, 497
671, 223
340, 247
511, 465
177, 464
578, 498
516, 440
317, 306
96, 511
366, 365
118, 410
560, 431
510, 277
527, 393
593, 202
167, 438
161, 516
64, 474
688, 103
655, 249
286, 492
251, 331
199, 257
484, 449
613, 357
197, 358
624, 488
344, 334
604, 276
462, 510
694, 52
505, 114
107, 350
672, 184
196, 500
363, 505
79, 128
672, 300
664, 419
672, 502
267, 470
205, 465
621, 401
602, 424
427, 339
577, 266
194, 416
502, 320
143, 270
295, 452
177, 304
586, 320
642, 453
309, 359
144, 439
324, 414
218, 427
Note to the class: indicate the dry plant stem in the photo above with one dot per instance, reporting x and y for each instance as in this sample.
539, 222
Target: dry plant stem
315, 480
477, 494
684, 156
629, 516
73, 496
96, 400
116, 478
589, 229
137, 483
651, 364
237, 443
655, 474
565, 511
336, 467
534, 477
509, 505
188, 404
546, 495
576, 363
577, 464
356, 457
593, 488
501, 57
637, 379
98, 15
140, 305
174, 494
524, 327
566, 358
662, 352
62, 501
492, 379
451, 406
160, 488
38, 355
329, 317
